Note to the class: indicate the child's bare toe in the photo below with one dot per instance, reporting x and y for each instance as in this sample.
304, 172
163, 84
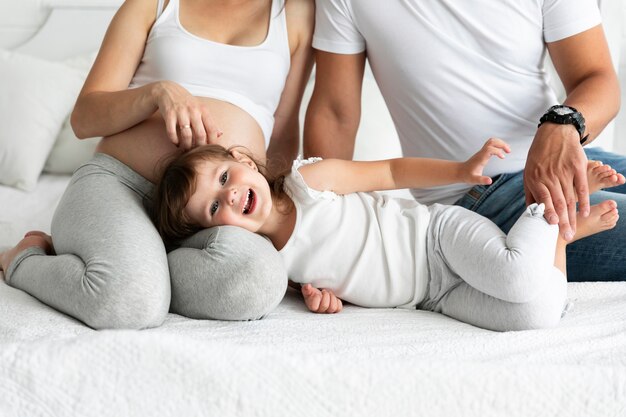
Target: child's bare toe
33, 240
609, 219
49, 248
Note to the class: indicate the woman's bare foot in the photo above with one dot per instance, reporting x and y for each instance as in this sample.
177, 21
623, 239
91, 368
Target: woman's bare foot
601, 176
31, 239
602, 217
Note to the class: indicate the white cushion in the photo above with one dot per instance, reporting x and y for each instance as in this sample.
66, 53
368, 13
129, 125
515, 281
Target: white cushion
35, 98
69, 152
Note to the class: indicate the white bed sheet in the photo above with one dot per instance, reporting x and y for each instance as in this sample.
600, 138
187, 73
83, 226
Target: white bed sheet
361, 362
21, 211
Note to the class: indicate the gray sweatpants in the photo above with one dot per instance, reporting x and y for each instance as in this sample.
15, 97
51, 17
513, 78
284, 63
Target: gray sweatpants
111, 268
483, 277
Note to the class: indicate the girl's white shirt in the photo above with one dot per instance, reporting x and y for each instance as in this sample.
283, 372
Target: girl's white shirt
369, 248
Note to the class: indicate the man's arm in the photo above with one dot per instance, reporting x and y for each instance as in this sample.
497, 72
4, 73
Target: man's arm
555, 172
334, 112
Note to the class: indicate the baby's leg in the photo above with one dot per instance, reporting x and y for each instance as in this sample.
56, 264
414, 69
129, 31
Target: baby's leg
483, 277
467, 304
510, 268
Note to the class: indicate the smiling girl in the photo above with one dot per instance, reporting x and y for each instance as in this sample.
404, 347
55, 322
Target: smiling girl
334, 232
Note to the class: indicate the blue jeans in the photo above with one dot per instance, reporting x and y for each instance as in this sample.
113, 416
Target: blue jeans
600, 257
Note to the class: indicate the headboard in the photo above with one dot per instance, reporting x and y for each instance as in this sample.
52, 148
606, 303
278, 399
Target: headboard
73, 27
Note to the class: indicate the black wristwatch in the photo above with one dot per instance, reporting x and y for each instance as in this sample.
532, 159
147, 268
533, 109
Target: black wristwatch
565, 115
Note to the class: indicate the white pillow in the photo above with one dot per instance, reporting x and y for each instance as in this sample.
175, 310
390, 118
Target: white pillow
69, 152
35, 98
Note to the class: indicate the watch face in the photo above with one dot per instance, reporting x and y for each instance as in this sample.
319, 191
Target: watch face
562, 111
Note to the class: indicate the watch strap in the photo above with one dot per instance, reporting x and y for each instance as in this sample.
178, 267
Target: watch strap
574, 118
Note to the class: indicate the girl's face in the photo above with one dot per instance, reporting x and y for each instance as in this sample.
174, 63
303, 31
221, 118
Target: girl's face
230, 193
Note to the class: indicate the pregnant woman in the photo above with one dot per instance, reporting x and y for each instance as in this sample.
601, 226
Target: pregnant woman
170, 76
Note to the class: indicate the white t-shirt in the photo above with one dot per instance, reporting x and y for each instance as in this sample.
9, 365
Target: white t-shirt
456, 72
368, 248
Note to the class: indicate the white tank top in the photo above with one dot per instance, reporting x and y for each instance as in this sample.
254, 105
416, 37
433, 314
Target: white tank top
368, 248
250, 77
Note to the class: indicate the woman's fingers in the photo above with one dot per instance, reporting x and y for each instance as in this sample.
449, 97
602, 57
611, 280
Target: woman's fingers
188, 121
199, 132
185, 132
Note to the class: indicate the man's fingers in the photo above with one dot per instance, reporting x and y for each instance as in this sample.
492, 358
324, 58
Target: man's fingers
582, 192
569, 193
543, 196
560, 207
530, 198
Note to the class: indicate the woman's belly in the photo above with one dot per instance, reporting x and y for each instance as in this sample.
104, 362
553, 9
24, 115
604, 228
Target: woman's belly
144, 147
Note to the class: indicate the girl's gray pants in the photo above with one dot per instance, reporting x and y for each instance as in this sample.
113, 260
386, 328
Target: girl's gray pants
111, 267
483, 277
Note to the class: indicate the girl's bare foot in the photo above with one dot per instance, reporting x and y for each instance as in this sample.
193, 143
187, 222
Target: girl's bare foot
31, 239
601, 176
602, 217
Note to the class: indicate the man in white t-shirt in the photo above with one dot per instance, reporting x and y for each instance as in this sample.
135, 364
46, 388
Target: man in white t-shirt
454, 73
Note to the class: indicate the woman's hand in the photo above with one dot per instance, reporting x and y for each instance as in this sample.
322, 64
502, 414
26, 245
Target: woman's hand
321, 301
472, 169
187, 119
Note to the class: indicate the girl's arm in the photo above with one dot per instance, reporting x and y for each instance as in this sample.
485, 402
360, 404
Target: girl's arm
106, 106
344, 177
285, 138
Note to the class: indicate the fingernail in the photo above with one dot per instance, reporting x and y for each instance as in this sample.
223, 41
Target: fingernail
553, 219
569, 235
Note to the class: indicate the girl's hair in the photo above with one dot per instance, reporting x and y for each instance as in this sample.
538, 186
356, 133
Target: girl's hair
178, 183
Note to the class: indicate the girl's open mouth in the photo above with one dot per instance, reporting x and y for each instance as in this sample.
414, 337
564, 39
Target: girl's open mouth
248, 208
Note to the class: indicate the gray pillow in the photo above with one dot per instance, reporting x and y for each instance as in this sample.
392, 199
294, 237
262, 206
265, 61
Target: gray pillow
226, 273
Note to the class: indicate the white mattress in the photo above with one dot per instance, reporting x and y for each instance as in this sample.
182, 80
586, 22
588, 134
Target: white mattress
361, 362
22, 211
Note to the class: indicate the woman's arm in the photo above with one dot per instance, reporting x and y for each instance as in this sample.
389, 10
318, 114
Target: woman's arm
345, 177
106, 106
285, 138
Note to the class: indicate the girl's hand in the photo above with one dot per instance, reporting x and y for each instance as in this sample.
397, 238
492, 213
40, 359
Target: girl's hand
187, 119
472, 169
321, 301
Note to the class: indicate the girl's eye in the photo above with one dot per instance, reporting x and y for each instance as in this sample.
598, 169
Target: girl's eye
223, 177
214, 207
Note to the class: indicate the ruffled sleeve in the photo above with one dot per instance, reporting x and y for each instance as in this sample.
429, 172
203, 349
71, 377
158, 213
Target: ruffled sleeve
297, 188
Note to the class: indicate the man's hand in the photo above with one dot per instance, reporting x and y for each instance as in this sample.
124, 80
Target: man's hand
556, 175
321, 301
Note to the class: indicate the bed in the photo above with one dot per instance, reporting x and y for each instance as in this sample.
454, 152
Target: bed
378, 362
